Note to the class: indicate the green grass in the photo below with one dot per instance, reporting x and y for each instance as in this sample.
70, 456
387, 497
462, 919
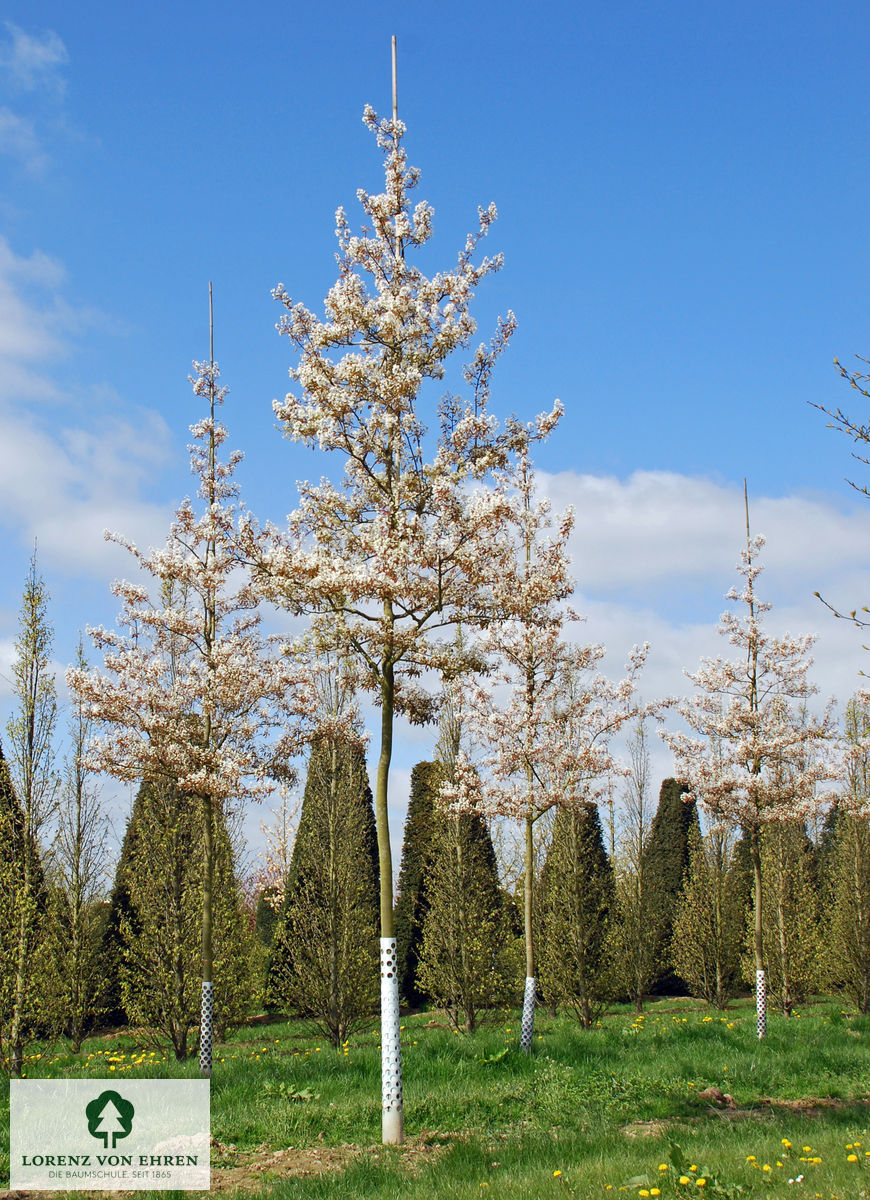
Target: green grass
604, 1107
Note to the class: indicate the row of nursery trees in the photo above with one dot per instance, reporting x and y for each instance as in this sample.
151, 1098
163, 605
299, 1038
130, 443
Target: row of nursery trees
621, 909
427, 531
636, 902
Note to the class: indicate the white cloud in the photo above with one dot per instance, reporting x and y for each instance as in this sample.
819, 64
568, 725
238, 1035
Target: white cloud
657, 526
31, 72
30, 62
65, 487
63, 481
7, 659
30, 336
19, 139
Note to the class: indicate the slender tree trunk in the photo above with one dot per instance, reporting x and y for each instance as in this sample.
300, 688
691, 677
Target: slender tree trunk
206, 1021
392, 1116
787, 1000
78, 987
528, 1021
206, 1018
760, 981
335, 915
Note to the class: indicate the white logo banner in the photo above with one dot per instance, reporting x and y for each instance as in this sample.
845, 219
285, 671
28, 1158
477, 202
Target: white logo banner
109, 1135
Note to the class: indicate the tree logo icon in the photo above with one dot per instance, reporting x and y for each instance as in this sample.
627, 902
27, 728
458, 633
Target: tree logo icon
110, 1116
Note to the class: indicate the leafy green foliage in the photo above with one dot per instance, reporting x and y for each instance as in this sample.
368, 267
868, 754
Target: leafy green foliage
710, 920
791, 902
417, 853
846, 928
324, 962
576, 908
23, 909
666, 861
468, 961
159, 889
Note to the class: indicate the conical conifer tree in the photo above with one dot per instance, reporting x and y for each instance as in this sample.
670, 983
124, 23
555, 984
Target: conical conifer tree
846, 928
266, 917
826, 849
417, 857
666, 863
844, 859
324, 956
468, 962
792, 945
576, 905
154, 925
710, 918
11, 896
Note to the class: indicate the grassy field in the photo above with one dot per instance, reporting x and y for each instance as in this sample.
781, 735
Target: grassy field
591, 1113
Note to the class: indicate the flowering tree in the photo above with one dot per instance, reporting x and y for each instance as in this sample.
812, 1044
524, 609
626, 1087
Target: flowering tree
754, 758
190, 688
404, 546
548, 742
266, 883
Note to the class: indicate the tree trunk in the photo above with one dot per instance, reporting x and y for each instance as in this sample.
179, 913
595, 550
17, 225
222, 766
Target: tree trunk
206, 1020
760, 983
528, 1021
392, 1115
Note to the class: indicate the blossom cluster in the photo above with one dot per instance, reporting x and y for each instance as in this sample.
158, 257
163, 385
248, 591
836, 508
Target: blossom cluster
756, 753
189, 689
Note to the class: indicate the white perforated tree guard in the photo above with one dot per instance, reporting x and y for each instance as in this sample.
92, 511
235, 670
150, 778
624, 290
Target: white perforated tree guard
528, 1025
206, 1028
761, 1002
392, 1119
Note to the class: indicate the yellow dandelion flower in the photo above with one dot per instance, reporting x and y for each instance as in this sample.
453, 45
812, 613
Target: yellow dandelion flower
702, 1182
750, 1158
851, 1158
685, 1179
693, 1167
766, 1167
663, 1166
643, 1192
556, 1174
655, 1191
778, 1163
849, 1146
786, 1143
807, 1149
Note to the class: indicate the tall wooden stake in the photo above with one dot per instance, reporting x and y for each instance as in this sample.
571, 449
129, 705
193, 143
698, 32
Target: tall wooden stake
206, 1019
392, 1103
755, 834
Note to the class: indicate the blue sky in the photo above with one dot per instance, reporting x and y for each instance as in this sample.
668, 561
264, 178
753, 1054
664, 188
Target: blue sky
682, 194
